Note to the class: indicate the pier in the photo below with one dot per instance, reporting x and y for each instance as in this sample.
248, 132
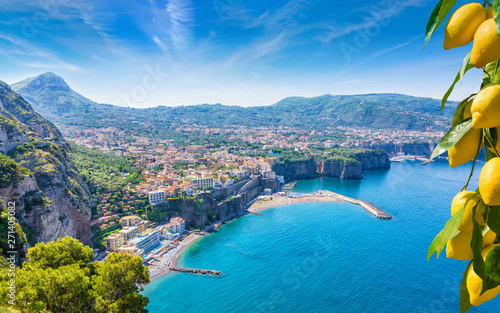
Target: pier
377, 212
195, 271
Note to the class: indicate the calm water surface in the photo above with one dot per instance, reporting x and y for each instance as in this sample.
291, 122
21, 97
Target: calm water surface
330, 257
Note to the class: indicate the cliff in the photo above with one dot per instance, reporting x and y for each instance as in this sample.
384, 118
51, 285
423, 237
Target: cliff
51, 199
345, 165
215, 205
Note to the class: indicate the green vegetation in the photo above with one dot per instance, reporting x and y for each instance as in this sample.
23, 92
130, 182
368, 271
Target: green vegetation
63, 105
59, 277
103, 169
10, 171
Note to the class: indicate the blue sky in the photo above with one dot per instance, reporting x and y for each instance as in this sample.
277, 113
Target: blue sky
235, 52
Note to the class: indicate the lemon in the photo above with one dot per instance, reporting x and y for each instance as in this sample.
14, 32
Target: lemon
475, 284
467, 110
489, 182
462, 25
486, 107
458, 202
465, 149
459, 247
489, 12
486, 46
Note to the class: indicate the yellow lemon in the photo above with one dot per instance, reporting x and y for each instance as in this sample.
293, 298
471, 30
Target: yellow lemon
466, 226
489, 182
489, 12
486, 46
462, 25
486, 107
467, 110
459, 248
465, 149
475, 283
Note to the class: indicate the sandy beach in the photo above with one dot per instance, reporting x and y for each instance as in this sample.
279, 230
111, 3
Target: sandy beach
281, 200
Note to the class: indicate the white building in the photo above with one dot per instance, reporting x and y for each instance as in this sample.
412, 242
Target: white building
156, 197
146, 242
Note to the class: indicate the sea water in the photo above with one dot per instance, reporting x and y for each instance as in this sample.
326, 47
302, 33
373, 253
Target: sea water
331, 257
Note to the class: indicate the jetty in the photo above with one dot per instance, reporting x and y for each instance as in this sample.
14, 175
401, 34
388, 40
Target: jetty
195, 271
377, 212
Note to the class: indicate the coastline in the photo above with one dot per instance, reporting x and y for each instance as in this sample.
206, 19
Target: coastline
264, 203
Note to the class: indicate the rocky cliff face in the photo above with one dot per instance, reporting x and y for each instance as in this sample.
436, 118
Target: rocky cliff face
345, 167
208, 207
51, 198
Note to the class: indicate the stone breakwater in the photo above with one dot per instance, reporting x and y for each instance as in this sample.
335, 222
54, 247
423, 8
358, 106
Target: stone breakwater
320, 196
196, 271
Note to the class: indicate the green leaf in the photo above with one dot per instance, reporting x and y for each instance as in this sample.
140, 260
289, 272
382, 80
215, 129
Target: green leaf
458, 117
465, 68
492, 72
492, 272
493, 220
437, 17
476, 245
465, 304
451, 138
449, 231
496, 9
464, 65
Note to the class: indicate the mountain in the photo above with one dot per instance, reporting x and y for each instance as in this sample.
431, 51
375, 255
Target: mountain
53, 98
50, 198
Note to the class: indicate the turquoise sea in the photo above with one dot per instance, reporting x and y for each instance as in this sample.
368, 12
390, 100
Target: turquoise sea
330, 257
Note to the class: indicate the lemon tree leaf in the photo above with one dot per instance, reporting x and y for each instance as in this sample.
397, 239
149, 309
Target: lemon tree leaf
458, 117
476, 244
465, 68
451, 138
437, 17
493, 219
465, 304
449, 231
496, 9
492, 270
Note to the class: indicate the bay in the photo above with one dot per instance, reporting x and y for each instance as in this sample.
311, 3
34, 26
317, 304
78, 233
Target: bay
331, 257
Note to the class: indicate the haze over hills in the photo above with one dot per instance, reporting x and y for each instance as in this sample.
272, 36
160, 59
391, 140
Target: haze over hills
51, 96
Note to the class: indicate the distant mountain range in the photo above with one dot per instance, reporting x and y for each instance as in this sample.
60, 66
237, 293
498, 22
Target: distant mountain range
51, 96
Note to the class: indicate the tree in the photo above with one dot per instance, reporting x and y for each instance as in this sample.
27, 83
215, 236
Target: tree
60, 277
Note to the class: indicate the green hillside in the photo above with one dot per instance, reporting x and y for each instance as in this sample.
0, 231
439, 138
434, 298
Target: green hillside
53, 98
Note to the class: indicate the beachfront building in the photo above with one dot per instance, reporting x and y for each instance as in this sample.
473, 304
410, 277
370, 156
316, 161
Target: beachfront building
180, 224
129, 250
171, 236
146, 241
156, 197
130, 221
114, 241
129, 233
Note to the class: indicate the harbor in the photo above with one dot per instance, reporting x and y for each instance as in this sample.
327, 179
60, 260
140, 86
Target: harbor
281, 199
